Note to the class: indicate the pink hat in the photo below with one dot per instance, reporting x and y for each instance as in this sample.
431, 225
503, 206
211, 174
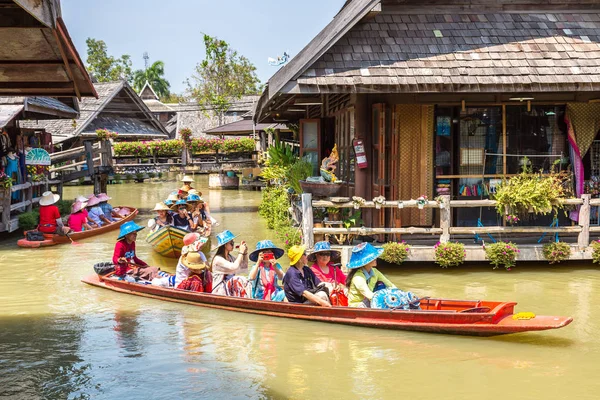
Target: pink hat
103, 197
77, 206
93, 201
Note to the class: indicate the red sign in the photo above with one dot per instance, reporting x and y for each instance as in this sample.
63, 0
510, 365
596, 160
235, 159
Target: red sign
361, 156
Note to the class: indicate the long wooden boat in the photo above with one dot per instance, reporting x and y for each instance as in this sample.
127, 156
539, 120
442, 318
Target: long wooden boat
461, 317
54, 239
167, 241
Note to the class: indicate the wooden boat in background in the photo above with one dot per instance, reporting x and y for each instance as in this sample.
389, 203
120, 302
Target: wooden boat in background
459, 317
167, 241
54, 239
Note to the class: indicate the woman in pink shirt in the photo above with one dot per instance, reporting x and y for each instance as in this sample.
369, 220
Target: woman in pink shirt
78, 219
322, 265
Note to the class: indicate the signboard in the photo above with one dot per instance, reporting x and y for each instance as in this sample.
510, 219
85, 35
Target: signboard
361, 156
37, 157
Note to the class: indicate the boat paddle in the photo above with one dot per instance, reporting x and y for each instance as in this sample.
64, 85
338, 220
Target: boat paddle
74, 243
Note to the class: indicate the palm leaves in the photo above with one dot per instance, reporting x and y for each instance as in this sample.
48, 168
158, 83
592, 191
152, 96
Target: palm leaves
154, 75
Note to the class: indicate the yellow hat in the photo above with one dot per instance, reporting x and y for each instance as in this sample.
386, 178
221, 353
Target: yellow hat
295, 253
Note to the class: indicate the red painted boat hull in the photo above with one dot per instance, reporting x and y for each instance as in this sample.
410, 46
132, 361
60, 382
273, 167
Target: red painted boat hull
436, 316
53, 239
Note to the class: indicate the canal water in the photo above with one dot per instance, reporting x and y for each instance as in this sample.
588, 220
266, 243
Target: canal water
60, 338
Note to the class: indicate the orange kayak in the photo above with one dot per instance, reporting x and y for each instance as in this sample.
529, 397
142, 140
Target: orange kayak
54, 239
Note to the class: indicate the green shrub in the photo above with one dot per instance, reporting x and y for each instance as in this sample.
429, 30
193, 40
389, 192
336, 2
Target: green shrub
595, 251
298, 171
395, 253
502, 254
64, 207
160, 175
151, 174
274, 205
288, 235
450, 254
128, 177
29, 220
556, 252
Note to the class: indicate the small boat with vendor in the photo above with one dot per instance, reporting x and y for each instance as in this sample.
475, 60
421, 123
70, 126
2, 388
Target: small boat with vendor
373, 300
90, 216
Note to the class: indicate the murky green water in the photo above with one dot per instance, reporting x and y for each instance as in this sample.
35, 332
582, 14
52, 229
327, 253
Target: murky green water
62, 339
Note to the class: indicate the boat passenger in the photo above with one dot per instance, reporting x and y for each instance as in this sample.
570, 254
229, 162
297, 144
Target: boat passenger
95, 213
164, 215
364, 279
78, 219
266, 271
225, 267
192, 265
109, 212
182, 193
171, 199
50, 220
187, 182
322, 266
124, 256
198, 215
299, 281
182, 218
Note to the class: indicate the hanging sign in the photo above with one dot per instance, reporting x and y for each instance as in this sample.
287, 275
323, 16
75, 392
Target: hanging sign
37, 157
361, 156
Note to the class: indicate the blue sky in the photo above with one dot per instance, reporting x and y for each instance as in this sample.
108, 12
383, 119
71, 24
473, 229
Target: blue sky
171, 31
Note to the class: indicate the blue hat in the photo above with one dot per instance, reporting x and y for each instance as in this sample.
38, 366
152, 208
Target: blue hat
223, 238
175, 206
265, 245
194, 198
363, 254
127, 228
321, 247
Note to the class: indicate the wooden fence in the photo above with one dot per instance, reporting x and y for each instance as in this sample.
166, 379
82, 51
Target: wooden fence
445, 229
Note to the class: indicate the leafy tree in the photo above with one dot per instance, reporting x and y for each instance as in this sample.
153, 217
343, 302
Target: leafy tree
104, 67
154, 74
223, 76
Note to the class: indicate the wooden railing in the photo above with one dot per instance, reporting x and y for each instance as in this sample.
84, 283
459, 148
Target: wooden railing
7, 222
445, 229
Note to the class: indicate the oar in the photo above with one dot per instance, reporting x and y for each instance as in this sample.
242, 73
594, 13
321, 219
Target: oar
72, 241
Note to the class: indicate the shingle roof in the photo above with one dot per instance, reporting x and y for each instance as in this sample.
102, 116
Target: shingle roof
464, 53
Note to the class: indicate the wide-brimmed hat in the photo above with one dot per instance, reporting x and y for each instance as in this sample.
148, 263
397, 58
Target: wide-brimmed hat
194, 191
195, 245
77, 206
49, 198
127, 228
193, 260
185, 188
82, 199
295, 253
322, 247
224, 238
93, 201
103, 197
363, 254
161, 207
187, 179
190, 238
194, 198
180, 203
264, 245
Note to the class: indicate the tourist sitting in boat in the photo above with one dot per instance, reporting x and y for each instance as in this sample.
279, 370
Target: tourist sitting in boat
50, 220
95, 213
171, 199
182, 218
299, 282
199, 216
164, 215
225, 267
187, 182
109, 212
182, 193
364, 279
322, 266
192, 271
78, 221
124, 256
266, 271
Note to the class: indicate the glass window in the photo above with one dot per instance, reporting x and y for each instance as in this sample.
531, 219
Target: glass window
311, 135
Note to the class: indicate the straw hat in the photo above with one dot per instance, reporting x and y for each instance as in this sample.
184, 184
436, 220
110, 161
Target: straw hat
185, 188
194, 191
264, 245
323, 247
180, 203
187, 179
93, 201
194, 261
77, 206
49, 198
363, 254
82, 199
173, 197
161, 207
295, 253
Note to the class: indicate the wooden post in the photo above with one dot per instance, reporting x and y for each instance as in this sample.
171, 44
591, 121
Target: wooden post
445, 216
583, 240
5, 200
28, 195
308, 238
89, 156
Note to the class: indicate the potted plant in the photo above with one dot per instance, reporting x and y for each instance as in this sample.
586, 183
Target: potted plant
379, 201
395, 252
422, 201
449, 254
556, 252
502, 254
333, 213
6, 183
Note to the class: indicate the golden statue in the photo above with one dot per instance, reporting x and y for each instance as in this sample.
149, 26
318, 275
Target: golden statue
329, 165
